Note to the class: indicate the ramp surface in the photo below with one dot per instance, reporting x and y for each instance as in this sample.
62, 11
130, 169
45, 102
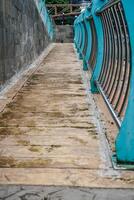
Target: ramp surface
48, 124
49, 133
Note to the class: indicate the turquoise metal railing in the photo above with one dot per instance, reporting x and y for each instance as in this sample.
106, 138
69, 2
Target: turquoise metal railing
46, 18
104, 38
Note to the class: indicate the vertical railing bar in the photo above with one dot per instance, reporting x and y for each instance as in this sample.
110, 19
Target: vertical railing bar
127, 67
92, 58
109, 92
94, 45
76, 35
105, 51
102, 68
79, 41
120, 71
114, 50
114, 63
83, 39
118, 58
124, 65
92, 48
109, 53
80, 36
85, 44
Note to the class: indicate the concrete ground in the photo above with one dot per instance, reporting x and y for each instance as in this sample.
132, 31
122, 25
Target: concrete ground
51, 132
63, 193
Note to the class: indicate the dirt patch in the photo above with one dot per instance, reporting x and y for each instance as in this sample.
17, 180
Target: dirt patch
55, 114
7, 161
11, 105
5, 130
10, 162
81, 141
23, 142
52, 147
76, 82
34, 163
36, 77
34, 148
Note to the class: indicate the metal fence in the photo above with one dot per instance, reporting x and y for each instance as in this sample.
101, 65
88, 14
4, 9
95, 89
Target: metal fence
104, 38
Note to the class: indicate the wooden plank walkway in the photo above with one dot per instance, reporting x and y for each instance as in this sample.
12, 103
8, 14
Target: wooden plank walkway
48, 132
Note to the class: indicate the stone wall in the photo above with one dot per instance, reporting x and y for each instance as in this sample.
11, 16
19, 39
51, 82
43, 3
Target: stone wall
64, 33
22, 36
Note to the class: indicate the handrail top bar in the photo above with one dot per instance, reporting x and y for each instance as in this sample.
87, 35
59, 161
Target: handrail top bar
88, 13
108, 5
85, 15
66, 14
62, 5
80, 18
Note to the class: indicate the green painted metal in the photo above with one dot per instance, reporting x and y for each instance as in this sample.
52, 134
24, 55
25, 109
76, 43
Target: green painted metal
125, 140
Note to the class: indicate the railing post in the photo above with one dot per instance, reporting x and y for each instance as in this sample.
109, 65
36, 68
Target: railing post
83, 37
85, 65
99, 32
81, 56
80, 42
125, 138
78, 38
88, 50
76, 35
